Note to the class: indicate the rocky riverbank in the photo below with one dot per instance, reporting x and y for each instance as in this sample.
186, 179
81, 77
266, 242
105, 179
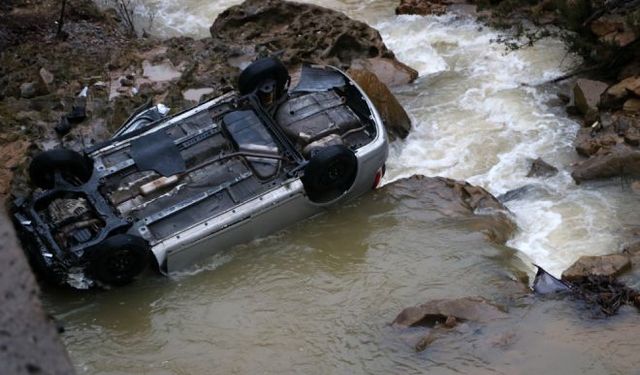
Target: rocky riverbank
43, 72
606, 96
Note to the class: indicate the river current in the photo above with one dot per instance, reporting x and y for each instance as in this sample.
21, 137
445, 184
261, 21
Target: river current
317, 298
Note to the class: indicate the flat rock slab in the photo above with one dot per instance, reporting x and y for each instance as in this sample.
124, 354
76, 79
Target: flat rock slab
465, 309
455, 199
606, 265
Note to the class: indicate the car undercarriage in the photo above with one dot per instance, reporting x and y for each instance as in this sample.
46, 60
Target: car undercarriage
101, 211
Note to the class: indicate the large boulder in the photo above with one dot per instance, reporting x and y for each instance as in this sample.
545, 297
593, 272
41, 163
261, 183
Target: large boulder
393, 115
606, 266
390, 71
458, 199
302, 33
587, 93
620, 160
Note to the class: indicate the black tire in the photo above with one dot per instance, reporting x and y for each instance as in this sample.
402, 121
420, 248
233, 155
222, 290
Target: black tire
269, 68
72, 165
330, 173
118, 259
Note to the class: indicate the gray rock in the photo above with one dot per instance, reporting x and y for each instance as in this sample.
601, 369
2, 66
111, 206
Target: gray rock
516, 194
540, 168
28, 90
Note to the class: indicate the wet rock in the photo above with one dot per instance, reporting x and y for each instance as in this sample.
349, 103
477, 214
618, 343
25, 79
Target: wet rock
589, 143
395, 118
632, 105
612, 29
451, 322
426, 341
517, 193
28, 90
620, 160
630, 69
587, 94
616, 95
422, 7
389, 71
606, 266
540, 168
607, 25
302, 32
632, 249
620, 39
457, 199
439, 311
632, 136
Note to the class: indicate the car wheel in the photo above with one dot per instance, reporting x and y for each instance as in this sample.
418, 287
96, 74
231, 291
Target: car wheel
73, 166
261, 71
330, 173
118, 259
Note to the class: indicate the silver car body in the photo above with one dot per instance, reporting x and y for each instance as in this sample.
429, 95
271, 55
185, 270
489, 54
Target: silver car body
266, 213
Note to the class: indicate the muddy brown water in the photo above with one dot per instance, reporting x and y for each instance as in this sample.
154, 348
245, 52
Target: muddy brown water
319, 297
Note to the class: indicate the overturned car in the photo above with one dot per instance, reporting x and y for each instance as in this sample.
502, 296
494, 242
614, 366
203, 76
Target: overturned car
174, 190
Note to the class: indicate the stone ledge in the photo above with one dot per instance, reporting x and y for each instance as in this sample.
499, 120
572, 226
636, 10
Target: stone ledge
29, 343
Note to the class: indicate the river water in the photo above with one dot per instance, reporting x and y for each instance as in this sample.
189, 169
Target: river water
318, 298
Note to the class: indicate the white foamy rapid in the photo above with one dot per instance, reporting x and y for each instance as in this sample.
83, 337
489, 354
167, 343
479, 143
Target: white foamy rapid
476, 117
